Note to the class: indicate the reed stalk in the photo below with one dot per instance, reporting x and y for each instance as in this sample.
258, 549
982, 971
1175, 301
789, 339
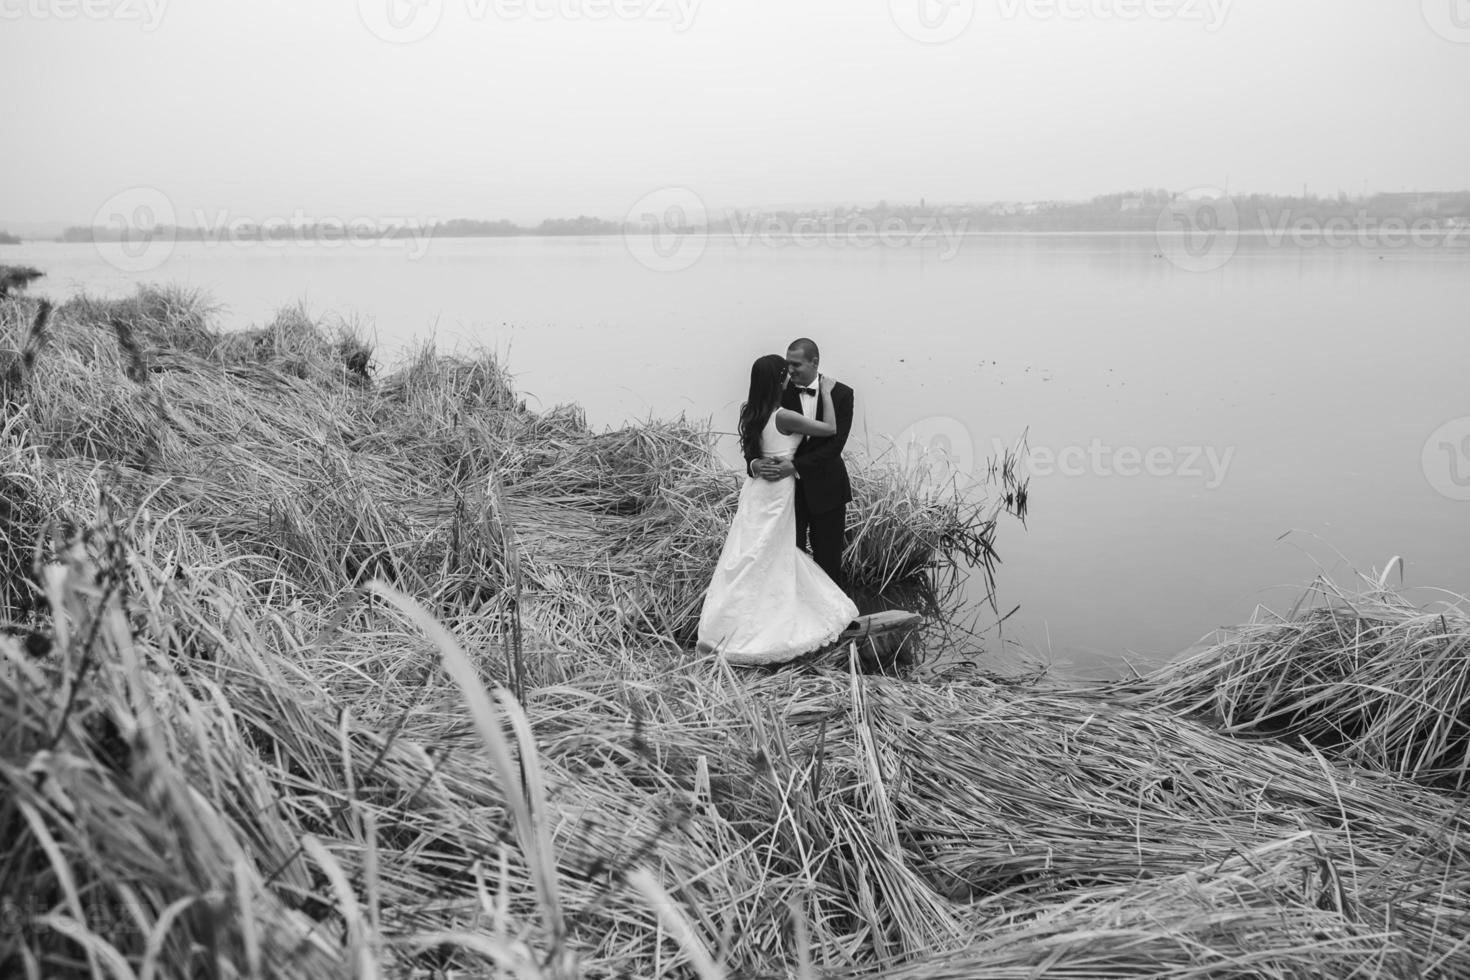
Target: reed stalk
266, 709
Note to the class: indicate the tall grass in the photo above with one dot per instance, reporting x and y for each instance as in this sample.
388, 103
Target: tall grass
275, 448
256, 719
1366, 677
321, 795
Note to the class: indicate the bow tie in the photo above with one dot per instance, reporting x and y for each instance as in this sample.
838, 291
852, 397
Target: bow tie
806, 391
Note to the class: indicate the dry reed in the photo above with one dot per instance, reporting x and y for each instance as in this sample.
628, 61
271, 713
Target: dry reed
229, 747
1366, 676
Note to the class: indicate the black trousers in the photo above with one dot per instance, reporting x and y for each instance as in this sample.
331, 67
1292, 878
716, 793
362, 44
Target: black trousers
827, 532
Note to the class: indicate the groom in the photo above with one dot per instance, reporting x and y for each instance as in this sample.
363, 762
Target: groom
822, 488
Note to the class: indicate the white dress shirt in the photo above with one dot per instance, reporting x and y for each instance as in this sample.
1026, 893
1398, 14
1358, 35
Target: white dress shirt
809, 402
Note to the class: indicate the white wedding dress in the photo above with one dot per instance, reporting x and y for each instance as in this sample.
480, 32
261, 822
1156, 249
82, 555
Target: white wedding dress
768, 601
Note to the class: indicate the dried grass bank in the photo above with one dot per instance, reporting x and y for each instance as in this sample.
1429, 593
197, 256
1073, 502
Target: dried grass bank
330, 675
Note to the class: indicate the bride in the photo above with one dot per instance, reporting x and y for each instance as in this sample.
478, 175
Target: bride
768, 602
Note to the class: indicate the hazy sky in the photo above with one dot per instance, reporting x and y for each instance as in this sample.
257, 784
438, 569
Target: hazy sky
533, 108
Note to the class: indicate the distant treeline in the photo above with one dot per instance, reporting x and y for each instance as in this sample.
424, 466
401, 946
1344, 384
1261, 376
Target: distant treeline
6, 238
353, 230
1142, 211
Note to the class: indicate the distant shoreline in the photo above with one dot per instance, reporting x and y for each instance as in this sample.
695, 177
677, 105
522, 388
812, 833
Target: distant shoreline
1460, 236
1142, 212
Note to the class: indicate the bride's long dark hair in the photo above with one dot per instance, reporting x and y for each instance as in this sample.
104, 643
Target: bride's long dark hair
767, 378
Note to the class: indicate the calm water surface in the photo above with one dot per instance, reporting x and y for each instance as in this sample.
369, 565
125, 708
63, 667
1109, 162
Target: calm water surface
1202, 442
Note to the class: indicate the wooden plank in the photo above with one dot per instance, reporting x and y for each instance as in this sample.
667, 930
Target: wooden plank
876, 624
881, 638
881, 641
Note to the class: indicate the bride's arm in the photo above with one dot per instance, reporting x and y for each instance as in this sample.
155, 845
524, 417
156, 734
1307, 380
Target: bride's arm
829, 412
788, 421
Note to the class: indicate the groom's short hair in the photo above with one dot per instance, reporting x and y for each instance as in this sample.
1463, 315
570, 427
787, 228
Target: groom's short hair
807, 346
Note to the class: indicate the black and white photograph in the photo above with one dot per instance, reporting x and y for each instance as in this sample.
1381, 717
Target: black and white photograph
735, 490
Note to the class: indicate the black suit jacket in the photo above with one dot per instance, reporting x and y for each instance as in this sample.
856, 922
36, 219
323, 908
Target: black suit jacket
821, 474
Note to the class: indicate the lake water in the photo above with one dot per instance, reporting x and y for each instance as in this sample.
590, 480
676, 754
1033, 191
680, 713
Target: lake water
1202, 442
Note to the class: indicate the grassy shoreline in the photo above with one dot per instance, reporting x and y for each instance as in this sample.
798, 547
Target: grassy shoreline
326, 674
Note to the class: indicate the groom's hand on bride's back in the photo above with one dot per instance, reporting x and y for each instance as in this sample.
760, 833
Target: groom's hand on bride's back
780, 469
770, 469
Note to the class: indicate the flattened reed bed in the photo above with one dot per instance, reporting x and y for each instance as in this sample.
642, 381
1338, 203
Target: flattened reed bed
1366, 677
228, 746
277, 448
318, 796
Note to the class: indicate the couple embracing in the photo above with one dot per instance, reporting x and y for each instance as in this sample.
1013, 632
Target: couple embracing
769, 601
